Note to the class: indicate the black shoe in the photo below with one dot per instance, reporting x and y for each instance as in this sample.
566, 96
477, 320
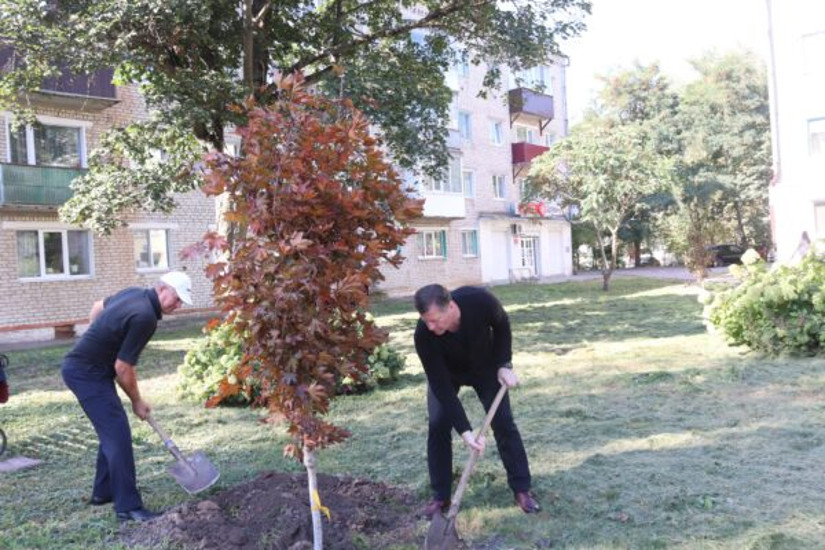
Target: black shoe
434, 506
99, 501
138, 514
527, 502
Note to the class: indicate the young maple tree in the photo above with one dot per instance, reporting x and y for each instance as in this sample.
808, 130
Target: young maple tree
321, 209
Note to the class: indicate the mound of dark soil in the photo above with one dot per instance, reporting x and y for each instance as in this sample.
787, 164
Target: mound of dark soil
273, 512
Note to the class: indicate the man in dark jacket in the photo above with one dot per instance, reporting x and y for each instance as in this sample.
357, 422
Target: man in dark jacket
464, 339
121, 326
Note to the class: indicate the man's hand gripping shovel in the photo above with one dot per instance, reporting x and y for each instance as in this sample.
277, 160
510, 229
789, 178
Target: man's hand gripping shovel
442, 534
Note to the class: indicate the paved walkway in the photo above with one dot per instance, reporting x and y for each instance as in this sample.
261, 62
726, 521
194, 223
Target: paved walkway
674, 273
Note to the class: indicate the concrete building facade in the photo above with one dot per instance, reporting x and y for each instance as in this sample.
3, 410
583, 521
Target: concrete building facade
797, 94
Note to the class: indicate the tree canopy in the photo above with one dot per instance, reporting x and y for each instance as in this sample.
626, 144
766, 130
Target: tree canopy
193, 58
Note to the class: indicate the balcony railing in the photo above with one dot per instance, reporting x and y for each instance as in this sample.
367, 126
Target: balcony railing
526, 152
23, 185
91, 92
524, 101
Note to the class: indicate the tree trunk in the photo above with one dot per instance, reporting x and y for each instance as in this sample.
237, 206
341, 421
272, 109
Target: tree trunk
314, 500
607, 266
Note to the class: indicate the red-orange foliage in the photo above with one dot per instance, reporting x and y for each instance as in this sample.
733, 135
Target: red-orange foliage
322, 209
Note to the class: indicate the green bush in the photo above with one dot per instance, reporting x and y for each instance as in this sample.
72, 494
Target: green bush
218, 354
781, 310
385, 363
214, 358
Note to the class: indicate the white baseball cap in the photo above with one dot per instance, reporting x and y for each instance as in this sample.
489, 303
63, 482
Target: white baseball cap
182, 284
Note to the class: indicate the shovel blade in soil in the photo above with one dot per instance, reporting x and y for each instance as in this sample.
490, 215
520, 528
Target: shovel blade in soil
442, 534
195, 473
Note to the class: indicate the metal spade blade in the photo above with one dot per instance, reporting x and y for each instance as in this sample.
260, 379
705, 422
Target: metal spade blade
194, 473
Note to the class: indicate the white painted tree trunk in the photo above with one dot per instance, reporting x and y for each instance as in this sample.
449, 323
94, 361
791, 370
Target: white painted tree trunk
314, 501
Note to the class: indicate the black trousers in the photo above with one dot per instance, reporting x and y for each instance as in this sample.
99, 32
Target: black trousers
508, 440
115, 470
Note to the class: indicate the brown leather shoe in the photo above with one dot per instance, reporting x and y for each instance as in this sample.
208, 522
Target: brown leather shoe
527, 502
434, 506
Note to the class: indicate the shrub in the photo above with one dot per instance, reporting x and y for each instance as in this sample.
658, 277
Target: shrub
775, 311
215, 358
385, 363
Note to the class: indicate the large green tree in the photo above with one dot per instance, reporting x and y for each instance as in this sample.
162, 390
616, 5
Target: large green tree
610, 165
602, 170
194, 58
723, 164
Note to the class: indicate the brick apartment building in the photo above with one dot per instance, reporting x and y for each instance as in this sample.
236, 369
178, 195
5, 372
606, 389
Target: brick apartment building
51, 272
471, 231
475, 229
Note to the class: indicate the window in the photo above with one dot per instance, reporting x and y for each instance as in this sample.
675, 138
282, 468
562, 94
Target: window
816, 138
549, 139
450, 182
151, 249
48, 144
538, 78
499, 187
819, 218
53, 253
432, 244
813, 50
465, 127
496, 132
453, 123
469, 243
468, 182
525, 134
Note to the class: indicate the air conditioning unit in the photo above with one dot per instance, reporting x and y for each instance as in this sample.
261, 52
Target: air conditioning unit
516, 229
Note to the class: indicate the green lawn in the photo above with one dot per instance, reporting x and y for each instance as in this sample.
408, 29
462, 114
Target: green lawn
643, 430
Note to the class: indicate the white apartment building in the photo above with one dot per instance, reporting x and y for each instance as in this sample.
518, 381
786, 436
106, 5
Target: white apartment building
475, 228
797, 92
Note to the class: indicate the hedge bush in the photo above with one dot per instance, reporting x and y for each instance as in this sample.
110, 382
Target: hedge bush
214, 357
218, 354
779, 310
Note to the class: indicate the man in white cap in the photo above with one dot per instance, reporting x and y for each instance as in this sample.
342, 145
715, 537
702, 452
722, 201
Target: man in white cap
108, 352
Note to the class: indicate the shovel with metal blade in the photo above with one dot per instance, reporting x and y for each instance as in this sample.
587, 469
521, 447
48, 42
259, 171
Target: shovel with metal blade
442, 534
194, 473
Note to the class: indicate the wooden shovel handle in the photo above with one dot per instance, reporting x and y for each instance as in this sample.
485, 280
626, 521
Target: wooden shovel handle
473, 458
167, 441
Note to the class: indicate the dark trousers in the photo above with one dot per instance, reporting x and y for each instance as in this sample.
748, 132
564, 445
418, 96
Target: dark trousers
115, 472
508, 440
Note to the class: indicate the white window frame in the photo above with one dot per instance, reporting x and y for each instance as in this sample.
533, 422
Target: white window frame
449, 184
31, 154
499, 187
496, 132
468, 183
426, 241
52, 228
816, 138
147, 228
530, 134
465, 125
469, 248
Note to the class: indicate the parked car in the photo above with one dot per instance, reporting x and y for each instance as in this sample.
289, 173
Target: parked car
648, 260
725, 254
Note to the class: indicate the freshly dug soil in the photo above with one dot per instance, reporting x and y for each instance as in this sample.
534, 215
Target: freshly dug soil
272, 512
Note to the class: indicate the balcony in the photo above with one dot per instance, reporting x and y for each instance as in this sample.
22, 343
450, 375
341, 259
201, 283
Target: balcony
38, 186
86, 92
524, 101
443, 205
523, 153
526, 152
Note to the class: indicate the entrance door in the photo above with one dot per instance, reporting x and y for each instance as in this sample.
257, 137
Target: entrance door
529, 251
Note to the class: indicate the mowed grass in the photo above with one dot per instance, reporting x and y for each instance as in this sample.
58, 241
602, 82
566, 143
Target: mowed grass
643, 431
